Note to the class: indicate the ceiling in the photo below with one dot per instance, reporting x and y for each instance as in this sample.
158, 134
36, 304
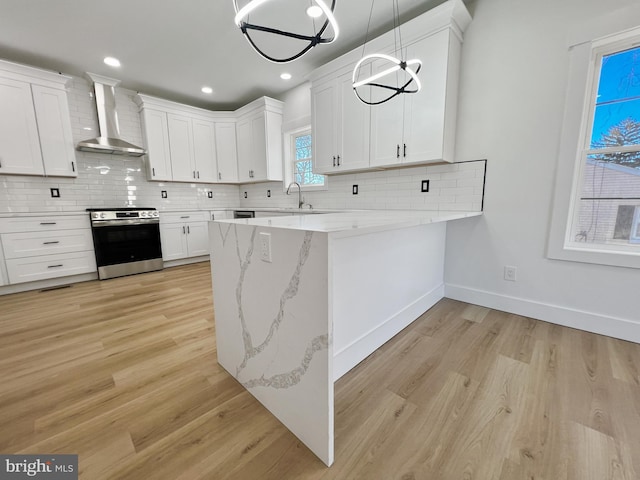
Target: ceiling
171, 49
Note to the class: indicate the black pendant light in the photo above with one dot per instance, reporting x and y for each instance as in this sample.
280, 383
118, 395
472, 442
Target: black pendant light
410, 82
317, 9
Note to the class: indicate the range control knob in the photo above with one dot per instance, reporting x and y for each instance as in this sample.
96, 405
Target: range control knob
103, 215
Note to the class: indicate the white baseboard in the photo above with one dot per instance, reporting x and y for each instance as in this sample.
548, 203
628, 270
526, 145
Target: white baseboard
46, 284
558, 314
349, 356
185, 261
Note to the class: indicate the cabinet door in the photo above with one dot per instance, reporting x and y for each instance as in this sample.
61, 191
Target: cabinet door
156, 135
197, 239
181, 148
386, 127
54, 129
19, 144
354, 125
204, 151
226, 152
424, 114
259, 134
324, 127
173, 237
245, 149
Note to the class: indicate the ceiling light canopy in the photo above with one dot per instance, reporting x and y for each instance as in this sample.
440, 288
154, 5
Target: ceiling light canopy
317, 10
381, 79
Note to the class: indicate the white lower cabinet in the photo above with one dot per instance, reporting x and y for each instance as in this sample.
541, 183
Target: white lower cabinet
42, 248
184, 235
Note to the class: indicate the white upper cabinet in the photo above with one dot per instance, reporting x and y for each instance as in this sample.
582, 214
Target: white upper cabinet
412, 128
226, 152
19, 144
419, 127
54, 127
340, 124
155, 131
181, 148
35, 126
181, 142
204, 150
259, 134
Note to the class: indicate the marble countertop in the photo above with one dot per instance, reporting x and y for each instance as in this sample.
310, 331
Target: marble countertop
355, 222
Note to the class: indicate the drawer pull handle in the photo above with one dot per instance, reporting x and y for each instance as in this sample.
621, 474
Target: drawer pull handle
186, 216
55, 266
47, 223
50, 243
188, 231
183, 230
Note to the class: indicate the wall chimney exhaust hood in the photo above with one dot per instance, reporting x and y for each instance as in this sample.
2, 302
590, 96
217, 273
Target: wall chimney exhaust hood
109, 140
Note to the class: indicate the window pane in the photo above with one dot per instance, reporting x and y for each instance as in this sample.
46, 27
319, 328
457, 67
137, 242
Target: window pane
617, 106
616, 124
303, 164
303, 174
619, 76
610, 195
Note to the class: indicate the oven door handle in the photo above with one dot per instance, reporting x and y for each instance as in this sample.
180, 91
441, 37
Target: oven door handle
130, 221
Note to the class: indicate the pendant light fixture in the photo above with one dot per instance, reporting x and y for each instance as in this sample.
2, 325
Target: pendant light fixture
316, 9
406, 71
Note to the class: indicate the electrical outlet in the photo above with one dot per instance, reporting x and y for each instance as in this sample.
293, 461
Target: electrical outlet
355, 189
210, 194
163, 193
55, 192
510, 273
424, 187
265, 247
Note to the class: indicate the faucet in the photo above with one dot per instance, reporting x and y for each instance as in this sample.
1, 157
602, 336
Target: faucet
300, 199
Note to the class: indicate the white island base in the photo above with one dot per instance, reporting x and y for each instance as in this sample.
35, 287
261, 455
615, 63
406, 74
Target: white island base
337, 287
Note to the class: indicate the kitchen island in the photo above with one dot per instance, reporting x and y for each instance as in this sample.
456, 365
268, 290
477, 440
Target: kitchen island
300, 300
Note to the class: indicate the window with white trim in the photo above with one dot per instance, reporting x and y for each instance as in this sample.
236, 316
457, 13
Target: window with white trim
596, 212
607, 202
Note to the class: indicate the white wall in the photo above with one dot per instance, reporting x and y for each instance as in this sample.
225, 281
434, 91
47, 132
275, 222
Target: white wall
512, 91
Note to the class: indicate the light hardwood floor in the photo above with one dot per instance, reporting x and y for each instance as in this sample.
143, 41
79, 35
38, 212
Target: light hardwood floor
123, 372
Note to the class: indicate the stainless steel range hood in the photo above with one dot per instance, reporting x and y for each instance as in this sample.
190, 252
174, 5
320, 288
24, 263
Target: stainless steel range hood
109, 140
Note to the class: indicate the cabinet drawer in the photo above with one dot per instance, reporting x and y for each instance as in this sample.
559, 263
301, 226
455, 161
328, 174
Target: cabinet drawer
30, 269
184, 217
32, 244
43, 224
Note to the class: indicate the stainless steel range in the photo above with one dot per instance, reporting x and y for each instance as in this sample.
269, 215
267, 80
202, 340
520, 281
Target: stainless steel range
126, 240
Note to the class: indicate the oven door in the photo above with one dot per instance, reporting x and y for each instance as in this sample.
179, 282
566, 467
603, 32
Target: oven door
124, 247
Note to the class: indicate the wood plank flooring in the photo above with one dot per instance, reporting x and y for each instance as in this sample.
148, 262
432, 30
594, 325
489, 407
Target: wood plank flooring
123, 372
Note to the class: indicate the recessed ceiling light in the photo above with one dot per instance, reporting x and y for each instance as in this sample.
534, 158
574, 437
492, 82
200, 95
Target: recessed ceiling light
112, 61
285, 76
314, 11
207, 90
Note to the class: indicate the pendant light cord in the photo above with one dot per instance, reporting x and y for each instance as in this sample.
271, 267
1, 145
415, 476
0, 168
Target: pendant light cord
366, 35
